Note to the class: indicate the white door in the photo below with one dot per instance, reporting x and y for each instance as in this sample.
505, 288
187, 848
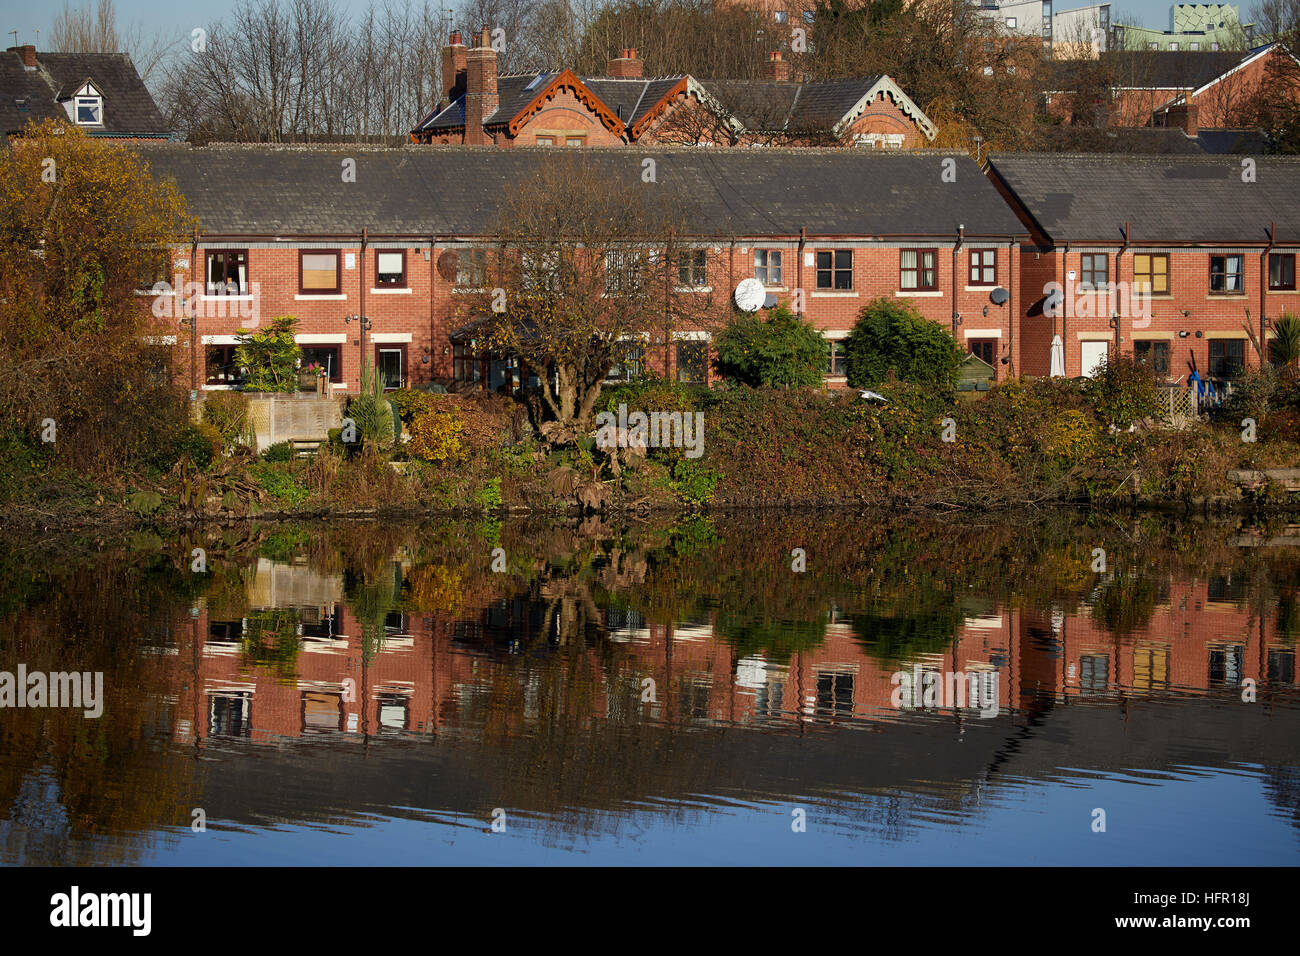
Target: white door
1093, 356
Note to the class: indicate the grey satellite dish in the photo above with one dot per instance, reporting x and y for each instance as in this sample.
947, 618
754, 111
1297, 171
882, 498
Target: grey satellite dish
750, 295
999, 295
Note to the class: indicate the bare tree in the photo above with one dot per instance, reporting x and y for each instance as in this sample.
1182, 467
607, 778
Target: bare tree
94, 30
583, 276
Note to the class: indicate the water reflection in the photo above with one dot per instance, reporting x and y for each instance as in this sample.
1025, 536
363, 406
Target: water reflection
350, 681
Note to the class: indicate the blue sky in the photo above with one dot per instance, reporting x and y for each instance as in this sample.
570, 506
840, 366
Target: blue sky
182, 16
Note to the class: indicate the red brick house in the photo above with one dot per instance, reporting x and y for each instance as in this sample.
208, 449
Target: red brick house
481, 108
830, 229
1177, 260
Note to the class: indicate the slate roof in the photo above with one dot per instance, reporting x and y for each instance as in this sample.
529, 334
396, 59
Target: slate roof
454, 191
1148, 69
1175, 199
764, 106
129, 110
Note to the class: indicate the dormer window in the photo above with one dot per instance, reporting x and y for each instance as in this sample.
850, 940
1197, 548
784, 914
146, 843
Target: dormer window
88, 105
90, 111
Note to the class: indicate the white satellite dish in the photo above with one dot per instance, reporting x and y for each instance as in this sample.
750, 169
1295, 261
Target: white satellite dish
750, 295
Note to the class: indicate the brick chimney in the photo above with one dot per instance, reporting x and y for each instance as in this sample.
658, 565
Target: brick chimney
453, 68
1184, 117
776, 68
626, 65
480, 89
28, 54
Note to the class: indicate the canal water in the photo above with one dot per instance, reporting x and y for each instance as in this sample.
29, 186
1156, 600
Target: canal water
773, 689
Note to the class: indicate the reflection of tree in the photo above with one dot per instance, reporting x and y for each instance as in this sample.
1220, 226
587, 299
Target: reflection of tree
775, 639
1126, 601
904, 634
271, 640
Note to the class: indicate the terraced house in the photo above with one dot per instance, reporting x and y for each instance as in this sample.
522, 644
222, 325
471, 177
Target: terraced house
1210, 242
403, 246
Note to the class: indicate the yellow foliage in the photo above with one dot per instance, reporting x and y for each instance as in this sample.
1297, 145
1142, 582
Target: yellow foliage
436, 436
1071, 435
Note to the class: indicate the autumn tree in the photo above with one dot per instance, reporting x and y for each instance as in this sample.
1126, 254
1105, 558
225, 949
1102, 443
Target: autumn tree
82, 228
590, 267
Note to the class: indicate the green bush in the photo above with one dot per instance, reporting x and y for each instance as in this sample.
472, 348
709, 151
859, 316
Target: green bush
1123, 391
893, 335
279, 452
781, 351
409, 403
693, 482
280, 485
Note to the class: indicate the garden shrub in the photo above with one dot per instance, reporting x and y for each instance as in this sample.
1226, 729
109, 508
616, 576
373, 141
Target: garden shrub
281, 451
781, 351
1123, 391
892, 335
436, 436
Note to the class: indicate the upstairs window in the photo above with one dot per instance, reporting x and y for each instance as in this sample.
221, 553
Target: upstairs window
623, 273
918, 271
472, 269
1281, 271
767, 266
318, 273
89, 110
1094, 270
1226, 274
692, 268
781, 16
228, 272
1151, 274
984, 267
390, 268
835, 269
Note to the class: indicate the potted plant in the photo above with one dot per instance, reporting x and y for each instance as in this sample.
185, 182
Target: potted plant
309, 377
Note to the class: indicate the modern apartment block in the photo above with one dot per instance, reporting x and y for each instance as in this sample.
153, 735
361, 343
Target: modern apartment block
1202, 27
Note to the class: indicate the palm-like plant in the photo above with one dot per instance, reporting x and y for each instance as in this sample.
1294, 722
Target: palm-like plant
1285, 345
372, 413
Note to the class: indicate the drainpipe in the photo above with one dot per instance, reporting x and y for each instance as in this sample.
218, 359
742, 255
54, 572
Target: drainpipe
1118, 257
1013, 347
668, 278
956, 251
1063, 276
361, 277
194, 319
798, 266
1263, 295
433, 258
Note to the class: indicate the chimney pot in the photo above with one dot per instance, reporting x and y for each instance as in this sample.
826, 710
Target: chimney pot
626, 65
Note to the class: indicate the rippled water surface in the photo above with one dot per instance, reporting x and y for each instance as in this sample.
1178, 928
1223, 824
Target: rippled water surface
725, 690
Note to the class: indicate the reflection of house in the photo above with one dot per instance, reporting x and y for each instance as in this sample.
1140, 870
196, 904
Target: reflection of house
101, 93
430, 672
562, 109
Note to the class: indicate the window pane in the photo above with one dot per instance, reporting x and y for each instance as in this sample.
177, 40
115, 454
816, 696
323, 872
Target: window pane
390, 263
319, 270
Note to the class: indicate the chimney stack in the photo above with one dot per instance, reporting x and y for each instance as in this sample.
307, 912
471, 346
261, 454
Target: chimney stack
626, 65
453, 68
776, 68
28, 54
1184, 117
480, 89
